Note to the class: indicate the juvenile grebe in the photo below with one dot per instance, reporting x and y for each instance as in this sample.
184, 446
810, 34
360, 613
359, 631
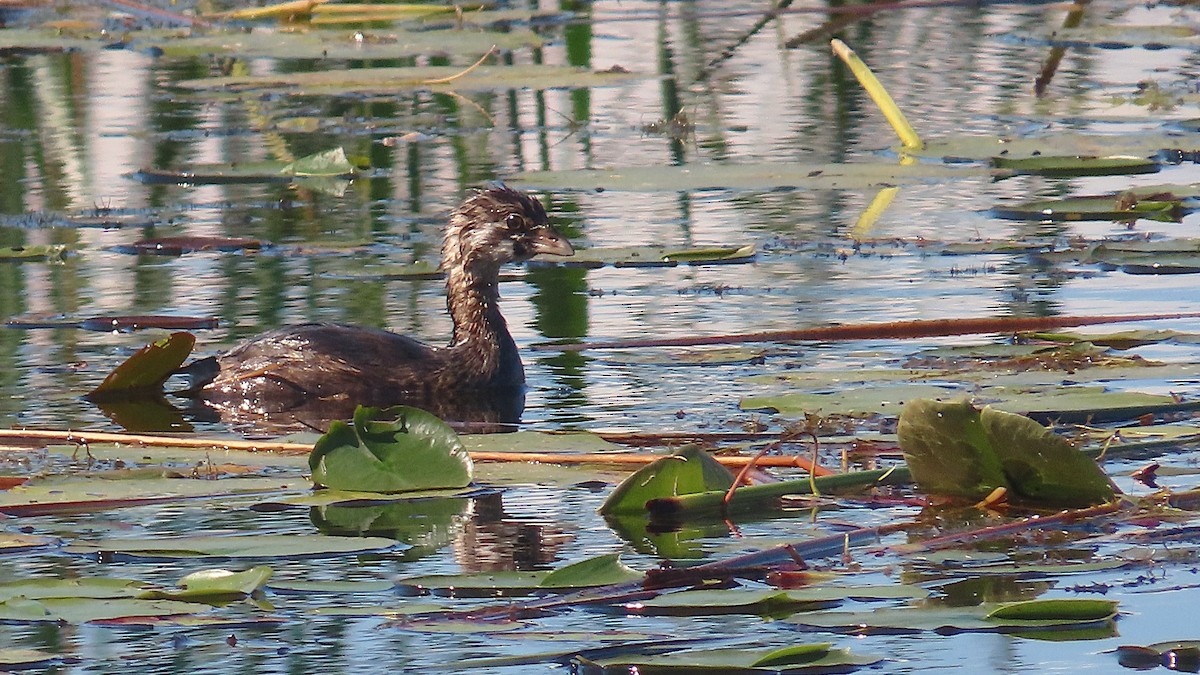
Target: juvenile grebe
327, 369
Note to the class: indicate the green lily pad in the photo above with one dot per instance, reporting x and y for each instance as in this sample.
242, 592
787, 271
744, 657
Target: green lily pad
1077, 165
35, 253
648, 256
390, 80
764, 602
367, 44
220, 583
946, 620
84, 610
688, 471
66, 494
859, 401
391, 450
1072, 609
743, 176
485, 585
957, 450
1164, 207
599, 571
11, 542
86, 587
814, 658
145, 371
327, 164
281, 546
331, 587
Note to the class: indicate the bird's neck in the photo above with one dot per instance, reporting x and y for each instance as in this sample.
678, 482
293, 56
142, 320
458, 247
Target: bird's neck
481, 346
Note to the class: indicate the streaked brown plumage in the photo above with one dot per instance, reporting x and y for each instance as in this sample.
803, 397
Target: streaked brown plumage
331, 367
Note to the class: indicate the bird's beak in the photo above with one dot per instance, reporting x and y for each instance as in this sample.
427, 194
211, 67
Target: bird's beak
547, 240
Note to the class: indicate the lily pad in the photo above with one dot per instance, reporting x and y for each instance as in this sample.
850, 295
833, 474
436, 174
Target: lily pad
36, 253
391, 450
599, 571
84, 610
1077, 165
688, 471
744, 176
437, 78
371, 43
326, 164
221, 583
949, 620
811, 658
279, 546
86, 587
957, 450
67, 494
648, 256
145, 371
1131, 205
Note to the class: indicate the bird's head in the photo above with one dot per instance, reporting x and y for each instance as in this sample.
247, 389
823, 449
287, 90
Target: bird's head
500, 225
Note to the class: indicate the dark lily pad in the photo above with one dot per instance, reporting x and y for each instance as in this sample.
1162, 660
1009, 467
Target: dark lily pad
84, 610
599, 571
1059, 166
181, 245
396, 449
1131, 205
145, 371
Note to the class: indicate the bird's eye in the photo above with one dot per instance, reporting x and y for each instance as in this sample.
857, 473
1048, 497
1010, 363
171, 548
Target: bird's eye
514, 220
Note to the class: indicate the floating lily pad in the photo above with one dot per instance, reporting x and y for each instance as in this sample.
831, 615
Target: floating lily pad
21, 543
281, 546
744, 176
181, 245
770, 602
949, 620
957, 450
1144, 203
1178, 655
367, 44
1115, 36
331, 587
599, 571
37, 253
327, 164
66, 494
437, 78
1077, 165
648, 256
859, 401
86, 587
84, 610
815, 658
391, 450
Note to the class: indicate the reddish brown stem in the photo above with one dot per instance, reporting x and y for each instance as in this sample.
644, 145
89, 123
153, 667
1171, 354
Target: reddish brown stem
877, 331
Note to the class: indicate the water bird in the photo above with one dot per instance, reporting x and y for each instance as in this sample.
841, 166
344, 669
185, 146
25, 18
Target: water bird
320, 371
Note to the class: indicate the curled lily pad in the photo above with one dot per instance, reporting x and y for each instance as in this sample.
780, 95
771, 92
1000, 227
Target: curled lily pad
1124, 206
690, 470
221, 583
955, 449
145, 371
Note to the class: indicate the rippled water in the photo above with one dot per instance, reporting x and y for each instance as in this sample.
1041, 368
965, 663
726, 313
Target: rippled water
75, 125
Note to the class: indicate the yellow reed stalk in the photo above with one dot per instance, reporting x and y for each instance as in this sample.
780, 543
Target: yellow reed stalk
908, 136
